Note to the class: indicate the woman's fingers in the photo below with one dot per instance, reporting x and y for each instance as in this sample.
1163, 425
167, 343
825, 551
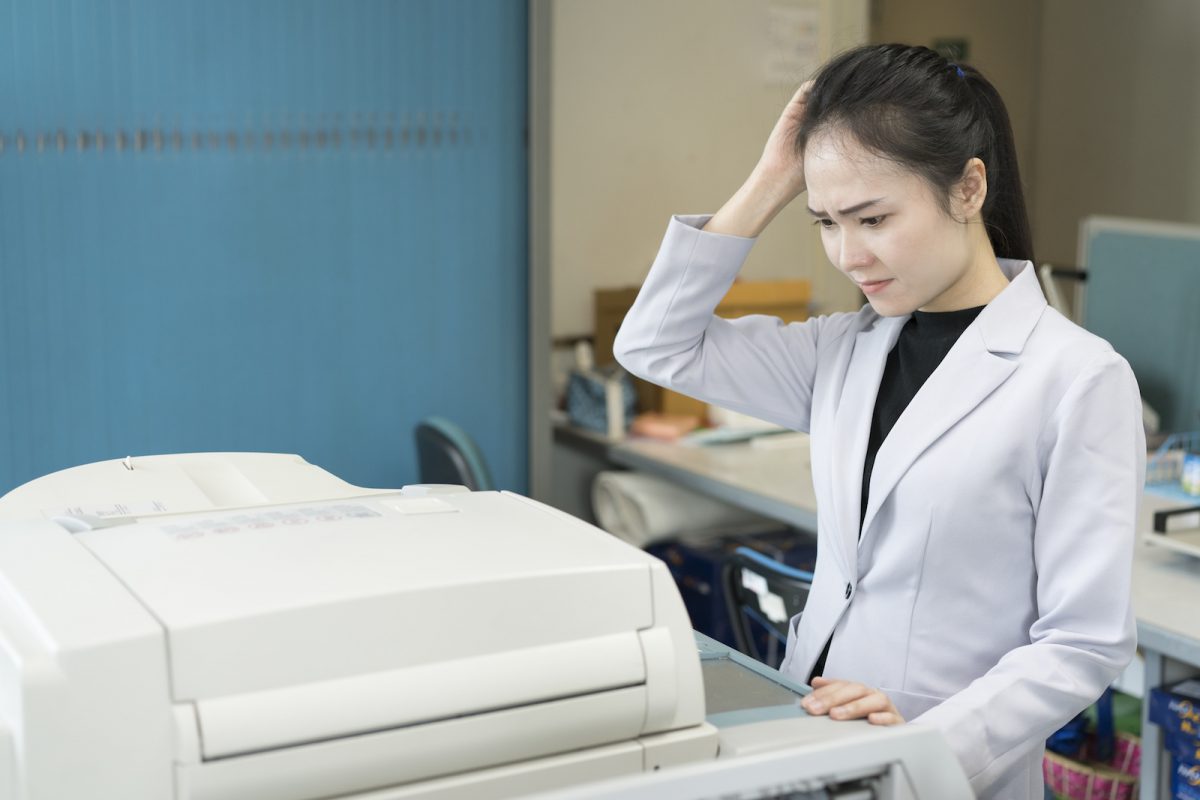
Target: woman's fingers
831, 694
870, 703
793, 113
885, 718
801, 95
780, 165
843, 700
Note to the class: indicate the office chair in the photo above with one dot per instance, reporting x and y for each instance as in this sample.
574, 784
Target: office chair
447, 454
762, 594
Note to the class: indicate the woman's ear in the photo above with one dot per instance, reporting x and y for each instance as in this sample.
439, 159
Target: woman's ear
971, 190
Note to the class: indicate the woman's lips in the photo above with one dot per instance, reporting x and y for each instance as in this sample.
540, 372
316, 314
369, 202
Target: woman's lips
874, 287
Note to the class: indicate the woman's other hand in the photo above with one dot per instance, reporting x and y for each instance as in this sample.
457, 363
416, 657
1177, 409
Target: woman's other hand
849, 700
777, 179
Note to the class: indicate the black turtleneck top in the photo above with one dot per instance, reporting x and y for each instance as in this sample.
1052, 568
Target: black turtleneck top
923, 342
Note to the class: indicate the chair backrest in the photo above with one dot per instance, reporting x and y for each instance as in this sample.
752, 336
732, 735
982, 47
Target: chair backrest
762, 595
447, 454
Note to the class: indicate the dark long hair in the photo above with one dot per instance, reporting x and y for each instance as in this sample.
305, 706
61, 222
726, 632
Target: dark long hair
931, 116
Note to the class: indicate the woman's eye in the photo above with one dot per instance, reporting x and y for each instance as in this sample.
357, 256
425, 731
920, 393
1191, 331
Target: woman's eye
871, 222
824, 223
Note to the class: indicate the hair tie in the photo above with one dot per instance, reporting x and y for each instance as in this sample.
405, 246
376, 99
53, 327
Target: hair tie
958, 69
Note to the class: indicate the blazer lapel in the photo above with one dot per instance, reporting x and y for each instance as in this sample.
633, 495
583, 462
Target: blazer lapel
980, 361
852, 428
961, 382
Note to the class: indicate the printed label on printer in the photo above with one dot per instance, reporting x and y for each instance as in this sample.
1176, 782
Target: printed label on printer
264, 520
109, 511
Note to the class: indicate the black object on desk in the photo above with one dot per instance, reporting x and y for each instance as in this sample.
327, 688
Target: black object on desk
1177, 519
699, 571
762, 595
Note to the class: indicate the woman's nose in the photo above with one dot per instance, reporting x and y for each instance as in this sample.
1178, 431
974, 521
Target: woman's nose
853, 254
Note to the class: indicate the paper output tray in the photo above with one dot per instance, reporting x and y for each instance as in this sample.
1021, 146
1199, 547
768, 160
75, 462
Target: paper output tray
313, 712
419, 752
333, 737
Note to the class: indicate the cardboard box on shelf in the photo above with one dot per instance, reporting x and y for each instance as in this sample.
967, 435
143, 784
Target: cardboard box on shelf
789, 300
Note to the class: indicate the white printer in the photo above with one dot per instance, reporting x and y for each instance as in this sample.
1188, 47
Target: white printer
248, 626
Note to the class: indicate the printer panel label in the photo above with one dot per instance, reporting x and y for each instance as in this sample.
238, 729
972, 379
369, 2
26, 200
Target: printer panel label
265, 520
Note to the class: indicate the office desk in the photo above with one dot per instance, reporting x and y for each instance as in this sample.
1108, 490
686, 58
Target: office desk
777, 482
1166, 599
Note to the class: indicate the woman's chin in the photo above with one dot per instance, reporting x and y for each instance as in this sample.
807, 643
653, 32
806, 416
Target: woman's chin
889, 307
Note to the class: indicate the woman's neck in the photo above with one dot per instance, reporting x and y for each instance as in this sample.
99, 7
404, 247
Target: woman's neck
978, 286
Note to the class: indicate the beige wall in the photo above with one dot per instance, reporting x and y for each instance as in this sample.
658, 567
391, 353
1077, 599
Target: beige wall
1104, 96
661, 107
1118, 117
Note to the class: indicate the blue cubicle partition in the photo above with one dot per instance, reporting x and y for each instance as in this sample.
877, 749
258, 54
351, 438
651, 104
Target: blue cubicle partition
263, 225
1143, 296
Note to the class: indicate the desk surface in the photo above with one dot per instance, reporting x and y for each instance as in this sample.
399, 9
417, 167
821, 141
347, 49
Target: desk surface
1166, 593
774, 480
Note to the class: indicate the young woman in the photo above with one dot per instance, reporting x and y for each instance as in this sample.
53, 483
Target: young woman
977, 458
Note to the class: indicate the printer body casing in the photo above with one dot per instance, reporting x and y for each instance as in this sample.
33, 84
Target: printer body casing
249, 626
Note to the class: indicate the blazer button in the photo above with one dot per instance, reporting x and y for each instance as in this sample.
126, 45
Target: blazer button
848, 590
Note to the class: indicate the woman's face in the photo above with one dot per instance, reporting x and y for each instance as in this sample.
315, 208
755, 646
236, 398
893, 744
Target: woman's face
884, 229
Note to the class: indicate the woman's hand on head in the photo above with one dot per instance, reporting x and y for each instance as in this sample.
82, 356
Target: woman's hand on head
848, 700
777, 179
781, 163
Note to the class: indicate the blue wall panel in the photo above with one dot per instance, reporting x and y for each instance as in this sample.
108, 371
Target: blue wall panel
272, 225
1143, 294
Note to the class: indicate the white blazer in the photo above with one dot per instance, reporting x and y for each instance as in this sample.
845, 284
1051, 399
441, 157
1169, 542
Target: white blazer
989, 594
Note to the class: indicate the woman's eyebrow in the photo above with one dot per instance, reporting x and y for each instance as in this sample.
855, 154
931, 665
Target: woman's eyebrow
850, 210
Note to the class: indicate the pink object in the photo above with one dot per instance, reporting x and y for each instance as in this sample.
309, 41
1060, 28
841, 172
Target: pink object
1115, 780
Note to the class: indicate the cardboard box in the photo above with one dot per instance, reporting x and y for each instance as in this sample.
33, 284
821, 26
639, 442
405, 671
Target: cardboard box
788, 300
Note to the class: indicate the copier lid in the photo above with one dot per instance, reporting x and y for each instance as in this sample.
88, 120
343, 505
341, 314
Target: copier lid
274, 596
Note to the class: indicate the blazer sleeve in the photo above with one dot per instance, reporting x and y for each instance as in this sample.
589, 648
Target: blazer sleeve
755, 365
1092, 454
